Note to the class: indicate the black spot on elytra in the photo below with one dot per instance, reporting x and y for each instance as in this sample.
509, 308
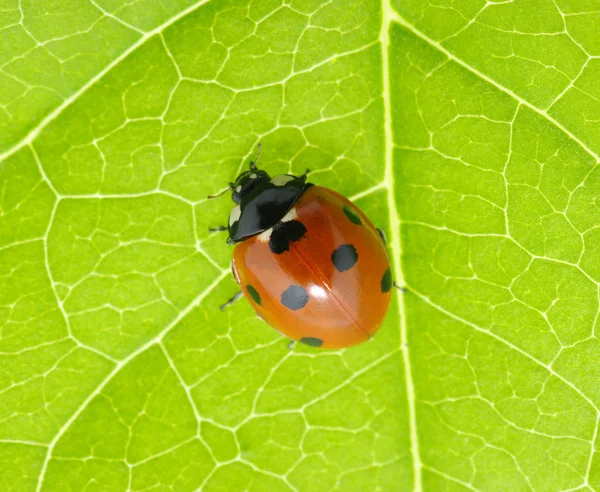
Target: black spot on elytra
254, 294
285, 233
294, 297
345, 257
352, 215
313, 342
386, 281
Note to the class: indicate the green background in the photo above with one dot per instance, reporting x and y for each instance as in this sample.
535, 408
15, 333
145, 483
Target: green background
468, 130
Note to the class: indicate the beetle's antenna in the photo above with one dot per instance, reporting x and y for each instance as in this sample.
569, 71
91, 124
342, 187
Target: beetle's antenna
253, 163
210, 197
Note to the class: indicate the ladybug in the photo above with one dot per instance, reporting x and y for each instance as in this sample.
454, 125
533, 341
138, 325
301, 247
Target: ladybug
309, 261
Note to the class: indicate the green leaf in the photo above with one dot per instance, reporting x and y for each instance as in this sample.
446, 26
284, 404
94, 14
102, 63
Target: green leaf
468, 130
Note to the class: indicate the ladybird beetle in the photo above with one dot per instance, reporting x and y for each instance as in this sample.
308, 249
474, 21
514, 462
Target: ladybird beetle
309, 261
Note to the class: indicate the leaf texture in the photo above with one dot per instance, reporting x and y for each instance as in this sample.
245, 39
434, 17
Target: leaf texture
468, 130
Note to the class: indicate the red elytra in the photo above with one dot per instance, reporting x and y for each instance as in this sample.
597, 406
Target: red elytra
309, 261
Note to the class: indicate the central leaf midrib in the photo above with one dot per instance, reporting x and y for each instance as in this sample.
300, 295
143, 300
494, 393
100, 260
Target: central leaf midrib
395, 244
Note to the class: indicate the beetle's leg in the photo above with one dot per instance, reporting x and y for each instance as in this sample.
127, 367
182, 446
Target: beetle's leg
382, 234
231, 301
229, 188
401, 289
234, 273
291, 344
217, 229
305, 175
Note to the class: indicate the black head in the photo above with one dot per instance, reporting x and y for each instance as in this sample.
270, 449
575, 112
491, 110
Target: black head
261, 201
247, 182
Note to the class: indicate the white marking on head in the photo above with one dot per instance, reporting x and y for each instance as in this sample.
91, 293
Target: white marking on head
234, 216
238, 188
253, 176
282, 179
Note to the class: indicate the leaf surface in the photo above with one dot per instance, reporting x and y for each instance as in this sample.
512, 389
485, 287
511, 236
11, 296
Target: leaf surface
468, 130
